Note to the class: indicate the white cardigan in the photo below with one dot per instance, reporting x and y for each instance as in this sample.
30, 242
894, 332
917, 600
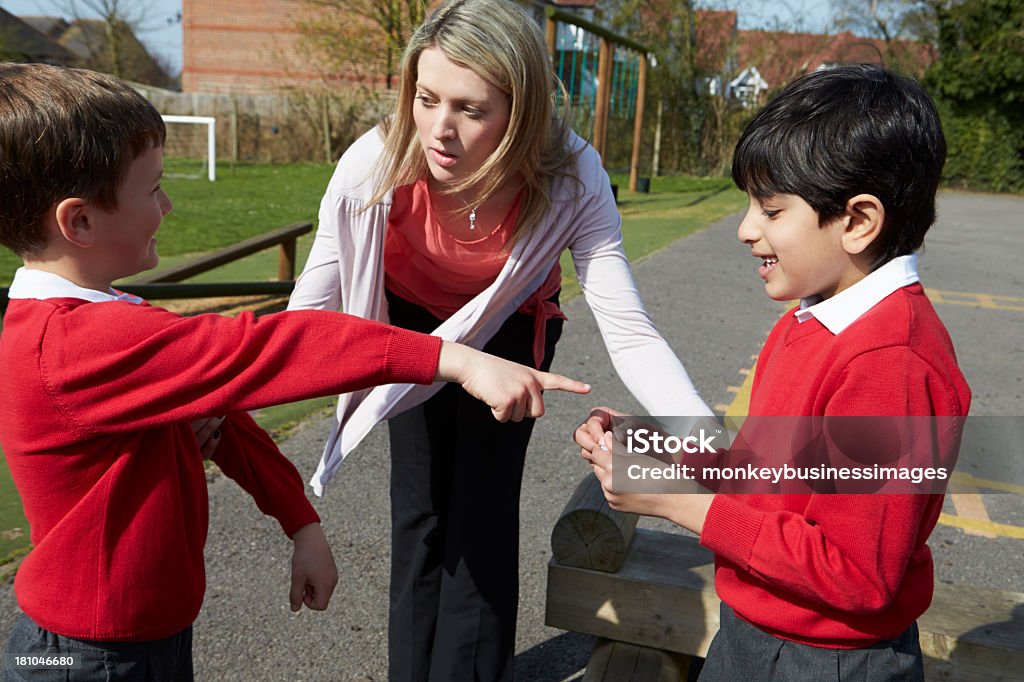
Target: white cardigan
345, 271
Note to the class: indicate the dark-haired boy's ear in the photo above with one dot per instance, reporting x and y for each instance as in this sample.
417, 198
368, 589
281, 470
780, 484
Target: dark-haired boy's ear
73, 222
865, 216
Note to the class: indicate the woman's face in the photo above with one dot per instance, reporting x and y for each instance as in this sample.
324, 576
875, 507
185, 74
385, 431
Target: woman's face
460, 117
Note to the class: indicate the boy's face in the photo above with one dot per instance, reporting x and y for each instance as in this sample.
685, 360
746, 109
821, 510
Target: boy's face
126, 236
799, 259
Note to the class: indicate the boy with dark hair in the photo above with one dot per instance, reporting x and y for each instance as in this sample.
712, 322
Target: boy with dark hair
841, 170
97, 390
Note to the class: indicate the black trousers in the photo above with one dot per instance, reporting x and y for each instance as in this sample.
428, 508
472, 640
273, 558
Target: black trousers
161, 660
456, 474
741, 651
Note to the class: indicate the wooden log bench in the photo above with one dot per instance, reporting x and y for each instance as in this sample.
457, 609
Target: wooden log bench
650, 597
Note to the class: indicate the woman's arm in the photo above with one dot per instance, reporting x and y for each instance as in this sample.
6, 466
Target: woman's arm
319, 285
641, 356
341, 269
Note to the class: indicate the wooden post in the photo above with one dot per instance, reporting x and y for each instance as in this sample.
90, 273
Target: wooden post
609, 65
604, 59
614, 661
656, 158
286, 261
234, 129
638, 124
326, 119
551, 34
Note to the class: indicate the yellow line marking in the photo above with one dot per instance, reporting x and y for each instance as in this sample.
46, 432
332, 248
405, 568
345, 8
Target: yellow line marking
970, 505
741, 403
1001, 529
987, 301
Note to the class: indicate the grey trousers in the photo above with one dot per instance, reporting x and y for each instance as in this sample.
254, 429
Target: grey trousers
161, 660
741, 651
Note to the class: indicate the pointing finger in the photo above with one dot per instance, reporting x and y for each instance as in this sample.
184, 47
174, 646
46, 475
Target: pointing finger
560, 383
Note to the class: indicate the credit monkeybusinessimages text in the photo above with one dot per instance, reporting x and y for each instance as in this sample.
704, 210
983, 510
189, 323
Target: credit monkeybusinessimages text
648, 442
752, 472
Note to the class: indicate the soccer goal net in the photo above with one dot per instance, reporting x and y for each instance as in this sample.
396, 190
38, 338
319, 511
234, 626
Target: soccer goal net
190, 150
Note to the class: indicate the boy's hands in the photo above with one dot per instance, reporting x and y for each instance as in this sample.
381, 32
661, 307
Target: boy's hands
590, 433
314, 574
594, 436
208, 434
513, 391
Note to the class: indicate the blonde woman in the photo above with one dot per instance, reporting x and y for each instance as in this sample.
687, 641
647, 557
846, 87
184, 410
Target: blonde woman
450, 219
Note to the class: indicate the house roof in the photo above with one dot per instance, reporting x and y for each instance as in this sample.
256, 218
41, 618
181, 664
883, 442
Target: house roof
51, 27
19, 39
781, 57
87, 40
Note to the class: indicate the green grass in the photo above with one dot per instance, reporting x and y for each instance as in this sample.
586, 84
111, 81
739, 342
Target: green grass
251, 199
246, 200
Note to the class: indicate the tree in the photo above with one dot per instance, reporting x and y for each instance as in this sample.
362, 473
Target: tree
979, 84
696, 57
110, 48
886, 19
981, 48
903, 25
366, 36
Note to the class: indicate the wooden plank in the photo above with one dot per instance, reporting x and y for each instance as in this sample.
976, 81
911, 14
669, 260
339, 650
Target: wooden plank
168, 290
663, 597
973, 634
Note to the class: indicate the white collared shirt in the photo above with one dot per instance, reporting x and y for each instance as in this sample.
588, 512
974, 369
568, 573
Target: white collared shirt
840, 311
41, 285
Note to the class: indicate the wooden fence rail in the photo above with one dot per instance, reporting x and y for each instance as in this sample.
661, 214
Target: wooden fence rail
166, 284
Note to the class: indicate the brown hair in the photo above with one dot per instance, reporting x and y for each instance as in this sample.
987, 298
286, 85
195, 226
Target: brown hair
501, 42
64, 133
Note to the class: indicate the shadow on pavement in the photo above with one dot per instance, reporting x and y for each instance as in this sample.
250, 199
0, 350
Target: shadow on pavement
559, 658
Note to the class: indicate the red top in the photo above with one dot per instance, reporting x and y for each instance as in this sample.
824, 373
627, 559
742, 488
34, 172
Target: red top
427, 266
95, 404
840, 571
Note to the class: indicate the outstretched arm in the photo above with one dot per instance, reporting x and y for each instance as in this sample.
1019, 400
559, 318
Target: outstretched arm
513, 391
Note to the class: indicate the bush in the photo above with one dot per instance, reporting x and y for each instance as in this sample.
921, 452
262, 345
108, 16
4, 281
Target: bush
986, 152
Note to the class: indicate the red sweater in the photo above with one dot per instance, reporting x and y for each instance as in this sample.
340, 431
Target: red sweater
95, 403
840, 571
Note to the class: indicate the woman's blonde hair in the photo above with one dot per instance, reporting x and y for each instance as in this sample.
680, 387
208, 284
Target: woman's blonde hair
499, 41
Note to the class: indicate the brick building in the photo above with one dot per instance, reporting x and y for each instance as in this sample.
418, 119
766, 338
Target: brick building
262, 46
246, 46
